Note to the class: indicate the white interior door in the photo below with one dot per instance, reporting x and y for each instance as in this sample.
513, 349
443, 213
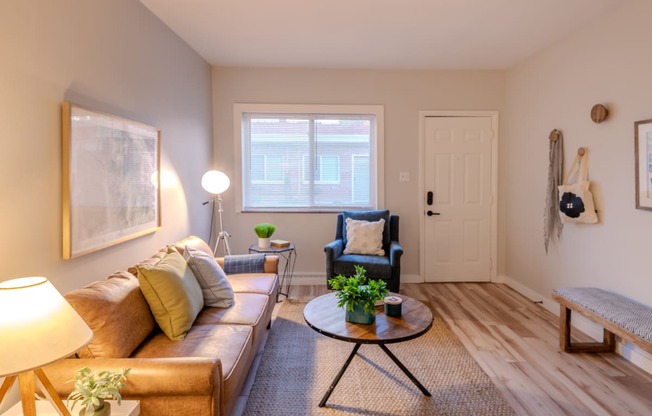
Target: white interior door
458, 172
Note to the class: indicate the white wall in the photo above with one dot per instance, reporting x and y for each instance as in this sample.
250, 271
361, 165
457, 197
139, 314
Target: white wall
402, 93
609, 63
111, 56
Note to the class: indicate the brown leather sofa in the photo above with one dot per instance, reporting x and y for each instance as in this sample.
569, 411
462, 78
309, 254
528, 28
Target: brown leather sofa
202, 374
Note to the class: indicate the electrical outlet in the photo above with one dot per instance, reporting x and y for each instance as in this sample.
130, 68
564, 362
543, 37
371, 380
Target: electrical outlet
404, 177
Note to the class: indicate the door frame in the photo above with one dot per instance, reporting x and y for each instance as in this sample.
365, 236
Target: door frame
493, 237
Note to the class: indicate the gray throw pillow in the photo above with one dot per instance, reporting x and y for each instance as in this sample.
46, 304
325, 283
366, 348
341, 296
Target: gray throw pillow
215, 287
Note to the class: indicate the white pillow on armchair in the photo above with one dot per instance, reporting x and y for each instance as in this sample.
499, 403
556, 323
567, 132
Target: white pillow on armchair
364, 237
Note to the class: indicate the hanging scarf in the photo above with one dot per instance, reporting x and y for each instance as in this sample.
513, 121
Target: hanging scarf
551, 219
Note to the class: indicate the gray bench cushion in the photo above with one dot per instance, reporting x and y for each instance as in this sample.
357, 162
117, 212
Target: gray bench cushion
626, 313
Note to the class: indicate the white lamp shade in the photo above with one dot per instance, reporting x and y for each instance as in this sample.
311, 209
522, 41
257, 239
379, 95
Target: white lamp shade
215, 182
37, 326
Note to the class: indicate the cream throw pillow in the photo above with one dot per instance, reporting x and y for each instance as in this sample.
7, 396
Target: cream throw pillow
173, 294
364, 237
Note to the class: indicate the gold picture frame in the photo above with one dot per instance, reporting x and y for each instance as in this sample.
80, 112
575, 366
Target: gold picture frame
643, 162
111, 180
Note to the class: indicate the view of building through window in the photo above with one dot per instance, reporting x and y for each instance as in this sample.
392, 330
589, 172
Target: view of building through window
307, 161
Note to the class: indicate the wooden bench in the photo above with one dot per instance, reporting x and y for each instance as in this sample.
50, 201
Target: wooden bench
618, 315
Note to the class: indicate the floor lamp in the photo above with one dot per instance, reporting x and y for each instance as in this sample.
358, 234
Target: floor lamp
38, 328
217, 183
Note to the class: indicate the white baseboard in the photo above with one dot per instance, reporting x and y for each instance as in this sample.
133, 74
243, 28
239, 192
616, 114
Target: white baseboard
305, 279
628, 351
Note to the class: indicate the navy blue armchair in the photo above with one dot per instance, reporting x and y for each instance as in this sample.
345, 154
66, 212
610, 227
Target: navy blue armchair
387, 267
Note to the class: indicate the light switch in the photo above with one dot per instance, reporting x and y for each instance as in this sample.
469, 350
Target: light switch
404, 177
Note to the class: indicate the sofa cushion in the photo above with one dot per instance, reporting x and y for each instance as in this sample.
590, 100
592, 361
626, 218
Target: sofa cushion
215, 287
116, 312
264, 283
364, 237
232, 344
194, 242
150, 261
173, 294
371, 215
249, 309
377, 267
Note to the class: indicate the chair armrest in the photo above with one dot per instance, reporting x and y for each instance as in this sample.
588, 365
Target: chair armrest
270, 265
334, 249
182, 376
395, 253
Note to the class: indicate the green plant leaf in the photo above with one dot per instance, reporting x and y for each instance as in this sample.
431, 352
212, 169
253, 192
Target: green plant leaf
357, 288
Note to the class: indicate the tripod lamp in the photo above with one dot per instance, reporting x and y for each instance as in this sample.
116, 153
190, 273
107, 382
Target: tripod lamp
38, 328
216, 183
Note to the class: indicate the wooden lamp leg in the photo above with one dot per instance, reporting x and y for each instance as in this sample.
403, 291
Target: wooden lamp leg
50, 393
27, 383
27, 392
6, 385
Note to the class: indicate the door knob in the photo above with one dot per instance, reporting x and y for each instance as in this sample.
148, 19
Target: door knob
430, 213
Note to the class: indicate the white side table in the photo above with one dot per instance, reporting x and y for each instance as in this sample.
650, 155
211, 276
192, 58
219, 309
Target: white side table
45, 408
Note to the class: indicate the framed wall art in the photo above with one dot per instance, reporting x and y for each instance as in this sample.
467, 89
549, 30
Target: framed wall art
111, 180
643, 151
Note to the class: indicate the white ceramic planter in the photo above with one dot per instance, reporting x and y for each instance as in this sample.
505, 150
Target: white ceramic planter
264, 242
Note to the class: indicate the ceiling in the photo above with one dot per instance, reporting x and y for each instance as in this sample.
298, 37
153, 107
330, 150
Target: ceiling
374, 34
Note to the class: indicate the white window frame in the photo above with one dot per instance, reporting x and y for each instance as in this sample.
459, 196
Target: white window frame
377, 197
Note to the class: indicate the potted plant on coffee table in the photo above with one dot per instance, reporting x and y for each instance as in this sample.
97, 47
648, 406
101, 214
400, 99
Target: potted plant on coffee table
359, 295
93, 388
264, 232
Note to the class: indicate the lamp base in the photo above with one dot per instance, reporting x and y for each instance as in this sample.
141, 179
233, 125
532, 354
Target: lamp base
27, 383
223, 237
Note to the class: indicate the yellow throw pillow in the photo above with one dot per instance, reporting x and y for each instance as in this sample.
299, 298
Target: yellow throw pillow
173, 294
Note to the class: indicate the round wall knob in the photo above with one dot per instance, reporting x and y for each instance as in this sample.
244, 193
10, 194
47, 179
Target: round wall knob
599, 113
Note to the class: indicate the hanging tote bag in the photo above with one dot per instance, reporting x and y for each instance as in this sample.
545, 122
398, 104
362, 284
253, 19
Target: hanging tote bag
575, 199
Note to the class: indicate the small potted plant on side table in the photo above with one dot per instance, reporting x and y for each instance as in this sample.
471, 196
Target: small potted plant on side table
359, 295
93, 388
264, 232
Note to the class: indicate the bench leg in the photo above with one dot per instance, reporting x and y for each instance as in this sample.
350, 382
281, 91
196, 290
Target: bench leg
608, 343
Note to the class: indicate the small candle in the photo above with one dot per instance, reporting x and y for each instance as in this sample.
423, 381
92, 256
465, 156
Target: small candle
393, 306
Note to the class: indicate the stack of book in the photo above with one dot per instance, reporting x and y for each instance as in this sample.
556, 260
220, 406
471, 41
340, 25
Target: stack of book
280, 243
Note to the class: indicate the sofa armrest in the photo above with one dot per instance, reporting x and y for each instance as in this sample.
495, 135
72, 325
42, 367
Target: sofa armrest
157, 377
270, 265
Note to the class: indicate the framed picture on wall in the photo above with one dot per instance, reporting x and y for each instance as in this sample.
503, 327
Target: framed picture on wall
643, 151
111, 180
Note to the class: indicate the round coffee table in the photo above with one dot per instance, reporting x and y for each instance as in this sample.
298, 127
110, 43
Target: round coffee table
323, 315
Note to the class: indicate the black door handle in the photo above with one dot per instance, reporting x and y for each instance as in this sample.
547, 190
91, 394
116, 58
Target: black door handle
430, 213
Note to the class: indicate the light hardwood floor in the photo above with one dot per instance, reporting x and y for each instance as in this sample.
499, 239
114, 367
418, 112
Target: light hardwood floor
516, 342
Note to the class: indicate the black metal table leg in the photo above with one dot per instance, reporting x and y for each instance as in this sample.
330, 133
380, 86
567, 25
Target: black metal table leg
405, 370
339, 376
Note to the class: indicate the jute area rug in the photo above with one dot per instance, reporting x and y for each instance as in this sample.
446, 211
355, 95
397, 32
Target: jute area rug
299, 364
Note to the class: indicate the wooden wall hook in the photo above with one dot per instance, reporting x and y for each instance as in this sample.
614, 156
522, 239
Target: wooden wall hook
554, 135
599, 113
581, 151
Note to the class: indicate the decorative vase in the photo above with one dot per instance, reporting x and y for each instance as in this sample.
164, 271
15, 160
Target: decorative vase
104, 409
264, 242
359, 316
